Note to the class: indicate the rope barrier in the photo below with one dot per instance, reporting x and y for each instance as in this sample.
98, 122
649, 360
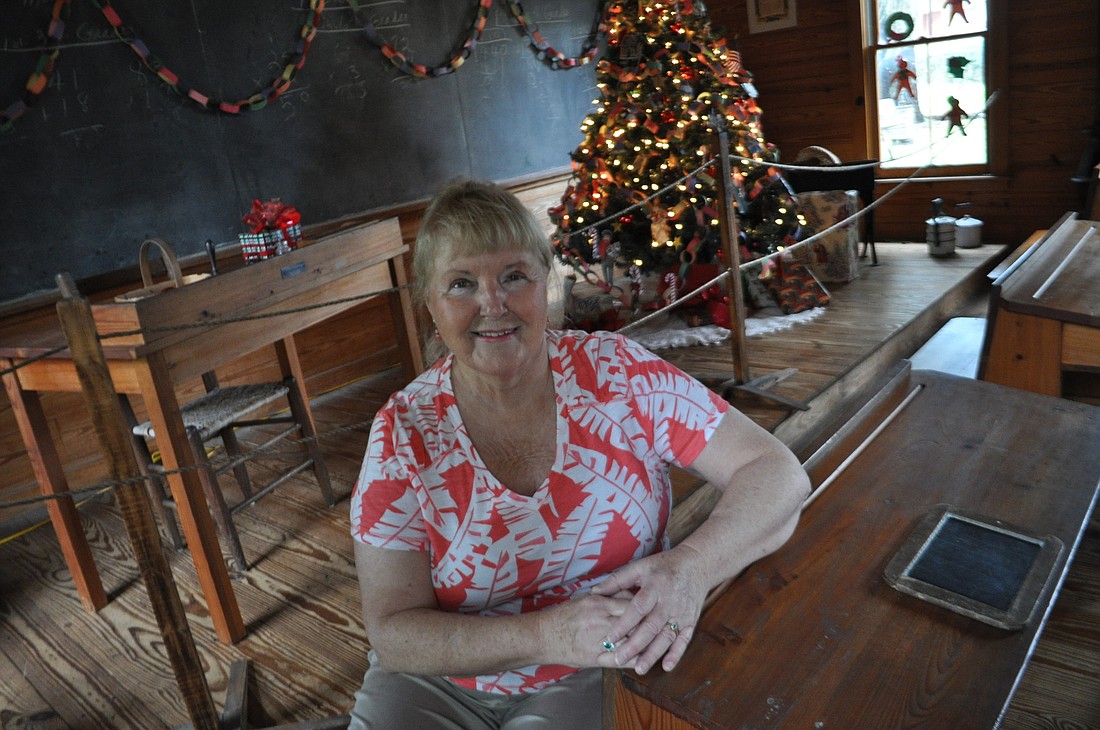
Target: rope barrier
108, 484
851, 219
33, 359
216, 321
213, 322
760, 261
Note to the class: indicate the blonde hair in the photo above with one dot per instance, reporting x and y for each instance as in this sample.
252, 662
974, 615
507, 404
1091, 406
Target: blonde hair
473, 217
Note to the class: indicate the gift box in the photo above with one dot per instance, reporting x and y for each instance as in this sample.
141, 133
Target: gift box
794, 287
275, 229
266, 244
835, 256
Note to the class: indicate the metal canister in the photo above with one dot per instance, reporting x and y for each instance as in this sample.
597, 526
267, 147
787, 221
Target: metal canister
940, 231
968, 232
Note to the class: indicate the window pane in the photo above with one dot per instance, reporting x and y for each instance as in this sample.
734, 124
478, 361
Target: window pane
912, 20
929, 99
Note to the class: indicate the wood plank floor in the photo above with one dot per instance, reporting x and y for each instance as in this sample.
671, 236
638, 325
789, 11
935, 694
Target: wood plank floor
62, 667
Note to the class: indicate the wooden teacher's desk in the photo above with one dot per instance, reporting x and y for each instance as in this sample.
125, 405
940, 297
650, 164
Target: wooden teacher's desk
169, 350
1044, 316
814, 637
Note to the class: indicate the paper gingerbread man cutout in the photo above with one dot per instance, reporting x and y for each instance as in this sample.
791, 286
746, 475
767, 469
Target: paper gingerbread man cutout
902, 78
954, 116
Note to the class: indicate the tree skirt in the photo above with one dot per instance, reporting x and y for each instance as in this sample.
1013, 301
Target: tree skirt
668, 331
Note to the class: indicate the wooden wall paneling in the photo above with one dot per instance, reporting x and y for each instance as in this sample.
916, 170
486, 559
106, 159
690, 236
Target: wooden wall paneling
811, 93
809, 77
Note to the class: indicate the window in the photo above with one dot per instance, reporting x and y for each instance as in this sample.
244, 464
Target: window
931, 84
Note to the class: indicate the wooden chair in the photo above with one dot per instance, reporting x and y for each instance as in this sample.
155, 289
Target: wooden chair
218, 414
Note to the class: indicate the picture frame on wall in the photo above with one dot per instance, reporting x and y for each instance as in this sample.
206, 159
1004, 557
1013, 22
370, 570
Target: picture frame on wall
765, 15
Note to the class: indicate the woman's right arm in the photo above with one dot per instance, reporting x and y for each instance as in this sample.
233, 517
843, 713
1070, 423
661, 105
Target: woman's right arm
410, 633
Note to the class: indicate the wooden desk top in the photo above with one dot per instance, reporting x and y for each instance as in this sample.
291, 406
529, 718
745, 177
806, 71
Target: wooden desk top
1059, 278
813, 637
345, 264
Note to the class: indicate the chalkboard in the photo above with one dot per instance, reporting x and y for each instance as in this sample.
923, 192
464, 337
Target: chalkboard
975, 566
110, 155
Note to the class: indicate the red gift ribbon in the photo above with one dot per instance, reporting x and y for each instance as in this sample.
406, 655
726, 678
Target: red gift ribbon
271, 214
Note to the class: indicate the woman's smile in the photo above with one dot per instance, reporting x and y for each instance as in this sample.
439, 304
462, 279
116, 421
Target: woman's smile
496, 334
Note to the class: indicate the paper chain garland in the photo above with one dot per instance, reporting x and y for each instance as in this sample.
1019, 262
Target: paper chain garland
43, 69
402, 64
45, 66
254, 102
40, 77
544, 51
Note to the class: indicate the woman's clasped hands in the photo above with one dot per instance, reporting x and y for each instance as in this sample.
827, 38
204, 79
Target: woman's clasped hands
668, 593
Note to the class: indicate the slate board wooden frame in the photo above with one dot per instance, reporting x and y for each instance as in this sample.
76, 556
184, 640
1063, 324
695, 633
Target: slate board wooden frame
1005, 568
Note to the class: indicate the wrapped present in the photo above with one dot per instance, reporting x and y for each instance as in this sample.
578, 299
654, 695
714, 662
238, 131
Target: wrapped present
794, 287
274, 229
835, 256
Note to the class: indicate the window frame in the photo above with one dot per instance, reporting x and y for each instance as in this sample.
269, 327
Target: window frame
996, 61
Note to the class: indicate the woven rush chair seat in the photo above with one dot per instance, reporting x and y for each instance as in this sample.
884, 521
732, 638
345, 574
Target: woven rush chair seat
218, 414
220, 407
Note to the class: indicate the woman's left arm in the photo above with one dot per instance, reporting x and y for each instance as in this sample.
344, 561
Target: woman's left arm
763, 487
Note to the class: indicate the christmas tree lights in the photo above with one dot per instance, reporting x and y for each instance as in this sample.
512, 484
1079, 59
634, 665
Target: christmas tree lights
642, 170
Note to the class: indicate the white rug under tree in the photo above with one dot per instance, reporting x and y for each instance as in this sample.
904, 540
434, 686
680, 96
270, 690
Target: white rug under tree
669, 331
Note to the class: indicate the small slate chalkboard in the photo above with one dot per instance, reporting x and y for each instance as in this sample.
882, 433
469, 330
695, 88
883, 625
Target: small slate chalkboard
975, 566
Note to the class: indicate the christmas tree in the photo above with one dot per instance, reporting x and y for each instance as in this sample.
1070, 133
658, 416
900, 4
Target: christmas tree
641, 168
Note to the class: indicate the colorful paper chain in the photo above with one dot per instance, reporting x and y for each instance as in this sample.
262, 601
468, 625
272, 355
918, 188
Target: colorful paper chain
405, 66
544, 51
43, 69
256, 101
39, 78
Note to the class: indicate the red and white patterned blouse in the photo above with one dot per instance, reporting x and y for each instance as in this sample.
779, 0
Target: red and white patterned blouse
624, 415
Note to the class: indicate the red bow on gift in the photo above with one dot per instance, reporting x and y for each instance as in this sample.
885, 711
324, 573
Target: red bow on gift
271, 214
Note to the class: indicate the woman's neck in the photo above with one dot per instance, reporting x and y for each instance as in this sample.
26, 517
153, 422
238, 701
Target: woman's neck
502, 394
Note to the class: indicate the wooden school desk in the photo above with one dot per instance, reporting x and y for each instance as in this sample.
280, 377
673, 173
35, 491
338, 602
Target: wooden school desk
814, 637
154, 363
1044, 314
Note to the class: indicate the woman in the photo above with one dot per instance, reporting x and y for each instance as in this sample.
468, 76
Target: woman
510, 513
